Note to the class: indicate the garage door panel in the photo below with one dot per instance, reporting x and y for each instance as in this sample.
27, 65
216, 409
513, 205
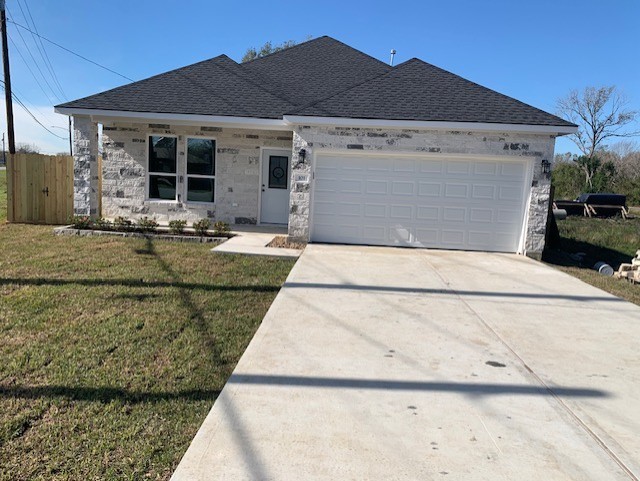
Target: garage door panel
458, 167
510, 193
481, 215
375, 210
350, 186
402, 188
427, 237
400, 212
430, 166
456, 190
483, 191
404, 165
376, 187
486, 168
378, 164
512, 169
400, 235
419, 202
454, 214
427, 213
430, 189
324, 208
377, 234
454, 238
480, 239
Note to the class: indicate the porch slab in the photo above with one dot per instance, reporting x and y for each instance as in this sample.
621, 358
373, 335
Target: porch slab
253, 240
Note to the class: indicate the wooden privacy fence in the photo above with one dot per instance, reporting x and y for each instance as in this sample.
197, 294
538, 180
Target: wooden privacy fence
39, 188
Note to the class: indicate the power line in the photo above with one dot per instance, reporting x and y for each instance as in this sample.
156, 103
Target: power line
15, 97
35, 62
31, 71
71, 51
34, 107
41, 49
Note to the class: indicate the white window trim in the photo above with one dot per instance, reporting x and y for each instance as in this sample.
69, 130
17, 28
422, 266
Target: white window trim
199, 176
148, 198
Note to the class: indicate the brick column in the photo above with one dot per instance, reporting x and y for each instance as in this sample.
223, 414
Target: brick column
85, 166
300, 196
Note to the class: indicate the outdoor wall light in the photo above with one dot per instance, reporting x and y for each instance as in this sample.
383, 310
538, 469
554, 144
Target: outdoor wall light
546, 167
302, 154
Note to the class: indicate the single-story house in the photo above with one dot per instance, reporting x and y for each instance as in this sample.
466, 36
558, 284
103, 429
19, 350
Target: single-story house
320, 137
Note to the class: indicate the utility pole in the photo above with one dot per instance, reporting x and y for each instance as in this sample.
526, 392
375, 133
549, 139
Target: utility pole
7, 79
4, 152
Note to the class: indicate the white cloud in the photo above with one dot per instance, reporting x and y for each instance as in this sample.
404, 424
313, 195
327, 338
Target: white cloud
28, 131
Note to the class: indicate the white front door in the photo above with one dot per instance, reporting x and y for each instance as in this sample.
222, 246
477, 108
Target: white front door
274, 205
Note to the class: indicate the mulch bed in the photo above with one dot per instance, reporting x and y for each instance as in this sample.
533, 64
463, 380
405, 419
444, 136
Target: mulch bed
284, 243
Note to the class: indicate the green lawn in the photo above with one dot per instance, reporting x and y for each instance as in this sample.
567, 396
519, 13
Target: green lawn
113, 350
613, 241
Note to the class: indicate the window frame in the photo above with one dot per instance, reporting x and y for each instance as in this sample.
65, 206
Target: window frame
214, 177
164, 174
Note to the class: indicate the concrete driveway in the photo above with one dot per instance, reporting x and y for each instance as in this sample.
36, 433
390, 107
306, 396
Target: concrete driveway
382, 363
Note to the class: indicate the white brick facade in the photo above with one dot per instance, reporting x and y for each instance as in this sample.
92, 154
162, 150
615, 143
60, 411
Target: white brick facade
124, 169
315, 139
85, 167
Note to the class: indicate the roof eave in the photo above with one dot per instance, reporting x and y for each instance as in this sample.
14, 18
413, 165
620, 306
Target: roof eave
107, 116
430, 125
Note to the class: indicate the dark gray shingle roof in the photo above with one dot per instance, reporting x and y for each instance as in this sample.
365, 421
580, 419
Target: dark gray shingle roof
322, 77
316, 69
218, 86
416, 90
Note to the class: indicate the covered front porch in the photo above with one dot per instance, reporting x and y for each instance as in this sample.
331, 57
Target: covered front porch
169, 170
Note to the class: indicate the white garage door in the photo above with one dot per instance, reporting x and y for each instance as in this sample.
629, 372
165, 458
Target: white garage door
419, 202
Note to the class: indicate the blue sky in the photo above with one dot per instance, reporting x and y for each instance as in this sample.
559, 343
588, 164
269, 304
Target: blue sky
534, 51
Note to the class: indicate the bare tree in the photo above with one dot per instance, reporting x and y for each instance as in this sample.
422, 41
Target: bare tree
25, 148
268, 48
601, 113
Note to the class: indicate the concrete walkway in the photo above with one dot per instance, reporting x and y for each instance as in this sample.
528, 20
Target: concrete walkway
253, 240
380, 363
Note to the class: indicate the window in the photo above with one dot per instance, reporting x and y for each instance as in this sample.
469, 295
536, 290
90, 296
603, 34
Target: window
278, 166
201, 170
162, 168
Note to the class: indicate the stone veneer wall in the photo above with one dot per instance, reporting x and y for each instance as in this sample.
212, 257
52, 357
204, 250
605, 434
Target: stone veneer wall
85, 167
315, 139
124, 165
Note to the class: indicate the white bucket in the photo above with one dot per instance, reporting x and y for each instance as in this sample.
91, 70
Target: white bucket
604, 269
560, 214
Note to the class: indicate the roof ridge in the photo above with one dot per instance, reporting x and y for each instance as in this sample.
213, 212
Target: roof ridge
253, 79
312, 103
284, 49
313, 40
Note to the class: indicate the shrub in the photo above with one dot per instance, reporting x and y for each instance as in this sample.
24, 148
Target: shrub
122, 224
177, 226
568, 180
80, 221
103, 224
147, 225
202, 226
221, 227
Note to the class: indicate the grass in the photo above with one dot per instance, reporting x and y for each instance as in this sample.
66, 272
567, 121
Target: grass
113, 350
613, 241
